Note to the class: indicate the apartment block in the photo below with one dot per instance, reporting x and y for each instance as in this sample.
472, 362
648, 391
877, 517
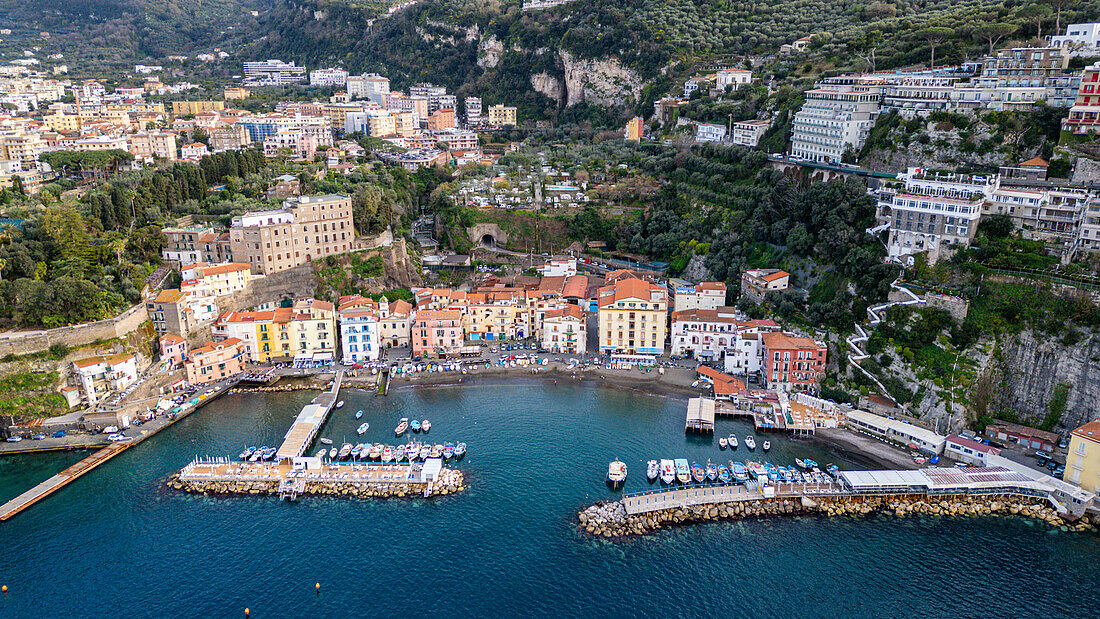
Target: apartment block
748, 132
705, 295
306, 228
757, 284
328, 77
183, 108
564, 331
437, 333
192, 244
273, 72
216, 279
232, 137
1084, 116
792, 363
501, 115
215, 361
837, 117
1083, 458
632, 317
360, 332
99, 377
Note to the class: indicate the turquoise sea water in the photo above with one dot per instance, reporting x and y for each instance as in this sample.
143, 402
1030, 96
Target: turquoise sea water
117, 543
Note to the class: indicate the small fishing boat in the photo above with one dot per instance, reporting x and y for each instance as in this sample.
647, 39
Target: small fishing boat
722, 442
362, 428
246, 454
425, 425
359, 414
402, 426
399, 453
616, 473
697, 472
437, 451
332, 453
340, 404
355, 451
414, 425
832, 469
810, 464
773, 472
460, 450
270, 453
321, 454
767, 445
257, 454
345, 451
740, 471
800, 463
668, 471
750, 442
711, 471
724, 474
412, 451
448, 451
387, 454
425, 451
326, 441
683, 471
732, 440
652, 471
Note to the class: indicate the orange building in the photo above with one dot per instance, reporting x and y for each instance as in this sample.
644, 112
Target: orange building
215, 361
437, 332
791, 362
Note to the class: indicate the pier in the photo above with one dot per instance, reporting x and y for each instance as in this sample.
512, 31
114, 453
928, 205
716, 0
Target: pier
308, 423
59, 481
770, 411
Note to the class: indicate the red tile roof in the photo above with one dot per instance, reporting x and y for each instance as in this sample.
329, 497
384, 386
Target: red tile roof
1090, 431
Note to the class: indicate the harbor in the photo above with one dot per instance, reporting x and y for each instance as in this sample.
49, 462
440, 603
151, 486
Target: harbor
796, 414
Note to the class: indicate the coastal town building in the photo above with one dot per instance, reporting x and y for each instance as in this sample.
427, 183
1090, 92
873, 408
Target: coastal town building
633, 131
272, 73
897, 431
704, 295
1079, 40
215, 361
732, 79
180, 312
704, 334
192, 244
1083, 457
502, 115
962, 449
360, 334
1024, 436
305, 229
437, 333
932, 212
757, 284
328, 77
563, 331
216, 279
709, 132
183, 108
99, 377
748, 132
792, 363
632, 317
307, 329
835, 119
1084, 115
173, 350
395, 321
559, 267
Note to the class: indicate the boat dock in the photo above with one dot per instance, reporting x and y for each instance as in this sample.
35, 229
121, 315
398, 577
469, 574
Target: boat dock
308, 423
700, 415
59, 481
799, 414
62, 479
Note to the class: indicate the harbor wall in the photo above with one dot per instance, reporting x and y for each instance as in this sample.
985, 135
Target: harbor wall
450, 481
27, 342
612, 520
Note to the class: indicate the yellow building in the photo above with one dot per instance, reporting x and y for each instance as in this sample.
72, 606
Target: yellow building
500, 115
236, 93
633, 317
309, 327
634, 129
1083, 459
62, 123
487, 320
181, 108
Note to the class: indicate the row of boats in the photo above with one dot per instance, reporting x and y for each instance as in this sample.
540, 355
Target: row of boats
750, 442
411, 452
258, 454
407, 424
671, 471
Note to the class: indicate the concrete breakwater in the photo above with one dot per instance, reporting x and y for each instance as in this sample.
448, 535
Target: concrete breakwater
610, 519
450, 481
273, 388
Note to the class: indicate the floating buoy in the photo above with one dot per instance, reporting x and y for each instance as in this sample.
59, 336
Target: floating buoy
246, 612
4, 588
317, 586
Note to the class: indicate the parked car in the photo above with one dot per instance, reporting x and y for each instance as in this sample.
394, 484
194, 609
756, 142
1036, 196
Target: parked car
14, 439
1042, 454
110, 429
1060, 471
59, 434
1052, 465
1063, 444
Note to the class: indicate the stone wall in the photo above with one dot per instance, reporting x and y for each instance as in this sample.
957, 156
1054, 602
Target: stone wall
26, 342
956, 306
290, 284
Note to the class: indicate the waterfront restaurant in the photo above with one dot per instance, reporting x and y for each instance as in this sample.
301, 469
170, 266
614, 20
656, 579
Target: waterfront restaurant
898, 431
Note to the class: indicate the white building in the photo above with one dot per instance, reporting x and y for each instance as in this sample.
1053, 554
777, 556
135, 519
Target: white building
359, 335
473, 110
733, 78
969, 451
564, 330
1079, 39
705, 132
98, 377
328, 77
559, 267
273, 72
690, 86
932, 211
897, 431
705, 295
837, 117
370, 86
748, 132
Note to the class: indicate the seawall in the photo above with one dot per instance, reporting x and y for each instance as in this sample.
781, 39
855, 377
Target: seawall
611, 519
450, 481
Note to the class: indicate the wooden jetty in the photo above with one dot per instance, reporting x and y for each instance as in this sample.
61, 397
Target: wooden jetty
308, 422
59, 481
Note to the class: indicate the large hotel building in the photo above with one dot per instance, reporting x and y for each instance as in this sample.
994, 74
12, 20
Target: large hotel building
304, 229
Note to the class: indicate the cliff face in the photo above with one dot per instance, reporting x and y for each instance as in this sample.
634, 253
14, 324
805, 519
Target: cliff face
1036, 367
603, 82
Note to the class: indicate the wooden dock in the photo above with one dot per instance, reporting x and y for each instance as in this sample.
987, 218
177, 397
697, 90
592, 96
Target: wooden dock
59, 481
308, 422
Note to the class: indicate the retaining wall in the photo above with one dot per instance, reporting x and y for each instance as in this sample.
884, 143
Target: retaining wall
26, 342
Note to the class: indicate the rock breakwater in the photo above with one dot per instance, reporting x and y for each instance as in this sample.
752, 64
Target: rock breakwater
450, 482
611, 519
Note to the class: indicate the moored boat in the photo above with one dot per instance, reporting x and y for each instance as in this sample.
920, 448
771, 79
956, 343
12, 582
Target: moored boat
387, 454
399, 453
722, 442
724, 474
810, 464
683, 473
448, 451
832, 469
800, 463
697, 472
402, 426
321, 454
362, 428
425, 425
460, 450
668, 471
711, 471
616, 472
326, 441
359, 414
414, 425
740, 472
750, 442
257, 454
340, 404
355, 451
652, 471
246, 454
732, 441
425, 451
437, 451
345, 451
332, 453
767, 445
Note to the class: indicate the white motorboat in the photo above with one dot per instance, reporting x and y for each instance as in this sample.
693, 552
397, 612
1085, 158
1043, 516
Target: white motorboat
425, 425
732, 441
750, 442
722, 442
767, 445
326, 441
359, 414
652, 471
340, 404
616, 472
668, 471
363, 428
332, 453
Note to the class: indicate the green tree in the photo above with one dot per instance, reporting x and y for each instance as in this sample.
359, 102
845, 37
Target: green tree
65, 227
935, 36
993, 33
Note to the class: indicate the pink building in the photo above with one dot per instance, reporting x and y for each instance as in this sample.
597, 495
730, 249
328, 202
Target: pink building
173, 349
437, 332
215, 361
